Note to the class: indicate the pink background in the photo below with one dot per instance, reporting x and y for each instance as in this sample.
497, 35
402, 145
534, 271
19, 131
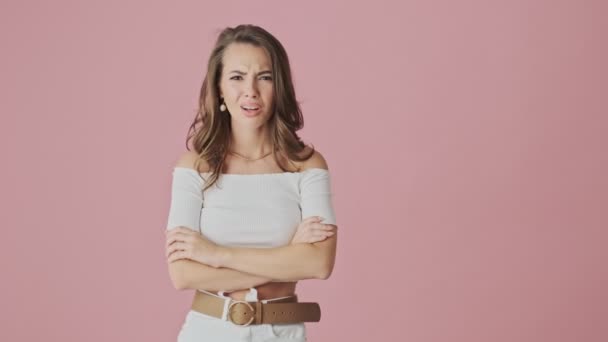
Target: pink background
467, 142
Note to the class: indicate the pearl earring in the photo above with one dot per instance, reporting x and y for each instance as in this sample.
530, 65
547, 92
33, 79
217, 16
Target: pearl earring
223, 107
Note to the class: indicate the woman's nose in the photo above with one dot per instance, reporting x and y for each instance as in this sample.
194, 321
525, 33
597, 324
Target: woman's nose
251, 88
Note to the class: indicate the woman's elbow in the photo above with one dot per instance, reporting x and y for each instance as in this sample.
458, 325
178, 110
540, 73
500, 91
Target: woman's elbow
326, 252
177, 274
325, 266
325, 272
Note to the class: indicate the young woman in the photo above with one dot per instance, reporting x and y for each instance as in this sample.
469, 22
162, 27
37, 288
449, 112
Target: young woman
251, 206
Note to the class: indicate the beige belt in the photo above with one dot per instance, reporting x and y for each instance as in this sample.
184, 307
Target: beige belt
285, 310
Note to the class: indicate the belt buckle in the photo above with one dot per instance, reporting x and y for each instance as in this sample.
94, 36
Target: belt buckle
251, 310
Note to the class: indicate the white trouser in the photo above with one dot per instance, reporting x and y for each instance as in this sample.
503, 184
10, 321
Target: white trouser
198, 327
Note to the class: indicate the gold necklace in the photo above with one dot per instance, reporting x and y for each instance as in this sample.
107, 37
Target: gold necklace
250, 159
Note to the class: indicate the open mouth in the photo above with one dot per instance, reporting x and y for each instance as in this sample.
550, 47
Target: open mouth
250, 110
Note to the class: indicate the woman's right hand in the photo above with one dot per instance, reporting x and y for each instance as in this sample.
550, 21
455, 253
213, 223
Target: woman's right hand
312, 230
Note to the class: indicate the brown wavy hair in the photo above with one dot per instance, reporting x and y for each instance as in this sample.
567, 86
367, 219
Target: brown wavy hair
210, 130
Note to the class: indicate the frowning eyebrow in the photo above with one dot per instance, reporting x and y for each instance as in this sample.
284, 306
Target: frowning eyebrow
244, 73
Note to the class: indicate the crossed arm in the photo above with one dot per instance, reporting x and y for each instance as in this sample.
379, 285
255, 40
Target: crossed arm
189, 274
249, 267
242, 268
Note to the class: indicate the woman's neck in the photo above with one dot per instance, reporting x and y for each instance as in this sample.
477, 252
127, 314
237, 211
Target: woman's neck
251, 143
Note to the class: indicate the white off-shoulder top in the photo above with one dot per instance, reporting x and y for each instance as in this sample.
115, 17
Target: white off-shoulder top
250, 210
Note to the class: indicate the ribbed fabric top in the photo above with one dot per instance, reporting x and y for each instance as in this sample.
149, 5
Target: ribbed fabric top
250, 210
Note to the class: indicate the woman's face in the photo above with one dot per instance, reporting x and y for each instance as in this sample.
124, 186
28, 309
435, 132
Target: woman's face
246, 84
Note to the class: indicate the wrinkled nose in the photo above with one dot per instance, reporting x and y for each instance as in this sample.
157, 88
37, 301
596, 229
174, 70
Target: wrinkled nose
251, 90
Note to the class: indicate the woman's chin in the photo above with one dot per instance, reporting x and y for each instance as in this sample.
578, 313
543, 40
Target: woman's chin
256, 121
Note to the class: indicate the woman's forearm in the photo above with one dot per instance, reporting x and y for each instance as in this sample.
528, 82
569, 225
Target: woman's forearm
189, 274
287, 263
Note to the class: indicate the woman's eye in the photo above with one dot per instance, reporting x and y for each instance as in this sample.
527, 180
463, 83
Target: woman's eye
266, 78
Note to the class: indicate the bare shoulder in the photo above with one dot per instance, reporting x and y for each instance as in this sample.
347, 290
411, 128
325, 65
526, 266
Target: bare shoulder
316, 161
188, 159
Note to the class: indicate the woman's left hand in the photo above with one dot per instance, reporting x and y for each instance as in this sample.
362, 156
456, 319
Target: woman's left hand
185, 243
